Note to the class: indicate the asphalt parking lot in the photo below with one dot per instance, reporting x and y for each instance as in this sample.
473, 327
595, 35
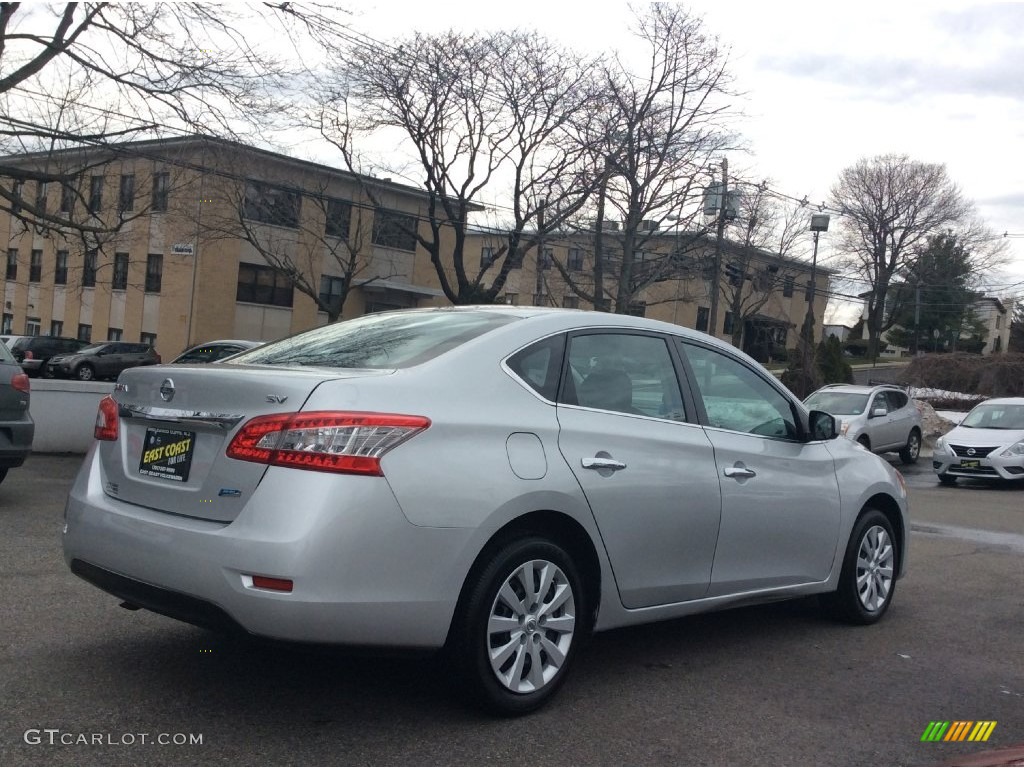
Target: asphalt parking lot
87, 682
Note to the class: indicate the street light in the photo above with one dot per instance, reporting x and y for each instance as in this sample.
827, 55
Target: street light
819, 224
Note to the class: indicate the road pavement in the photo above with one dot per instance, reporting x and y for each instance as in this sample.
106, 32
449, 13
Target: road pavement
87, 682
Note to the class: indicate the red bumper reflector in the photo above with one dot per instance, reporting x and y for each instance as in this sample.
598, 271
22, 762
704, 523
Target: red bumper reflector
266, 582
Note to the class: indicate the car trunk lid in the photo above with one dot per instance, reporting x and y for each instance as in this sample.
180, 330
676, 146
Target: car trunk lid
176, 423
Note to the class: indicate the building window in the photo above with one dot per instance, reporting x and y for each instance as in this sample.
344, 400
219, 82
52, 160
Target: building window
113, 334
148, 339
511, 298
394, 230
89, 270
84, 332
67, 198
12, 263
787, 286
575, 260
999, 322
16, 191
60, 272
262, 285
703, 314
271, 205
339, 218
41, 189
728, 323
161, 190
547, 258
32, 326
154, 272
56, 327
95, 194
486, 257
35, 266
330, 292
637, 309
808, 291
126, 197
8, 322
120, 279
571, 302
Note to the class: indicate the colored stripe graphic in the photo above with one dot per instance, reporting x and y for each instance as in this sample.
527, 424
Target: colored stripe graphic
935, 731
958, 730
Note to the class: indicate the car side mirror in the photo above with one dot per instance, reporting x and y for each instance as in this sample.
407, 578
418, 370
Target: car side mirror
876, 412
823, 426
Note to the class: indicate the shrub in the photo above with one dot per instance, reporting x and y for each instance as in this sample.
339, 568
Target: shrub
988, 375
833, 367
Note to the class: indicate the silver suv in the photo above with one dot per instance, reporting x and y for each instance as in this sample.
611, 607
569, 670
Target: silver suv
881, 418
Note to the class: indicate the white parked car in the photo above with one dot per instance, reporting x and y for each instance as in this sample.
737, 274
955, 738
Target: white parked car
988, 443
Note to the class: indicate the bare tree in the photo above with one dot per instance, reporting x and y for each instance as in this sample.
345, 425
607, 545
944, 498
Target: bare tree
764, 236
657, 133
474, 110
81, 76
891, 205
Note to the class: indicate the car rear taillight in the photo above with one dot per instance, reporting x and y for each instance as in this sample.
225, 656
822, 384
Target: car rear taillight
106, 420
29, 355
20, 382
158, 359
326, 441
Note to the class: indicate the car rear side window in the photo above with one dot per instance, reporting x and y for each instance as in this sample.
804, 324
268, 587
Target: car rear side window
622, 372
539, 365
385, 340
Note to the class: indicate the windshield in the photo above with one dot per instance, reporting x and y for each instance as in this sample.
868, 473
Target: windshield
386, 340
995, 416
837, 403
89, 350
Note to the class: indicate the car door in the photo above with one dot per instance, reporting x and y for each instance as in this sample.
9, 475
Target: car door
646, 467
883, 430
780, 495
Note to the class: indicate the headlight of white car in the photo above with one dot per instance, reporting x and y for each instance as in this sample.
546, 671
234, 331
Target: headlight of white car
940, 445
1015, 450
844, 427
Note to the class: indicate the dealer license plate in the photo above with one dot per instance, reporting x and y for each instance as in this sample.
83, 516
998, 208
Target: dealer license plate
970, 463
167, 454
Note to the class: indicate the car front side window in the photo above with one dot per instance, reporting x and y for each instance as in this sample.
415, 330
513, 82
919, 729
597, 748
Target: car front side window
735, 397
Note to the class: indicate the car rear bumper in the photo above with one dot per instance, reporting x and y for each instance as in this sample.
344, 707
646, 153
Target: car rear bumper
362, 574
990, 467
16, 441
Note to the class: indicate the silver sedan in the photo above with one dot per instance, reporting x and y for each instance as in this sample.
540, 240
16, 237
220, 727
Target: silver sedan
495, 481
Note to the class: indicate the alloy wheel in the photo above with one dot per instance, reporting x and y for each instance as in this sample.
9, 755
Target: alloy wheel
531, 626
875, 559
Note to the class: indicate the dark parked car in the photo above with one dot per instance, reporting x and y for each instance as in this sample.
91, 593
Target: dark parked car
102, 361
34, 352
212, 351
16, 427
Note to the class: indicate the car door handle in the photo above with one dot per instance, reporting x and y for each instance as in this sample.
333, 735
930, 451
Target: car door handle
739, 472
603, 463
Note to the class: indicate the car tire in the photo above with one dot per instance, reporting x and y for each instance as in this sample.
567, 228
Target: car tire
947, 480
85, 372
865, 441
867, 582
910, 452
519, 626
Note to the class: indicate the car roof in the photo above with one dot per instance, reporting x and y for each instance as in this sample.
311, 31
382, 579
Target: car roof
1003, 401
859, 389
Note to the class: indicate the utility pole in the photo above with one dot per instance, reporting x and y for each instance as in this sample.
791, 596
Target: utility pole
717, 268
598, 241
539, 292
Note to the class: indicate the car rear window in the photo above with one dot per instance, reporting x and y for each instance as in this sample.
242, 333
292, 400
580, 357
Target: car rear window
5, 354
838, 403
385, 340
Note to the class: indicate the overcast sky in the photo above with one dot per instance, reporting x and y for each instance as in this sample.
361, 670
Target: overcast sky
827, 84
